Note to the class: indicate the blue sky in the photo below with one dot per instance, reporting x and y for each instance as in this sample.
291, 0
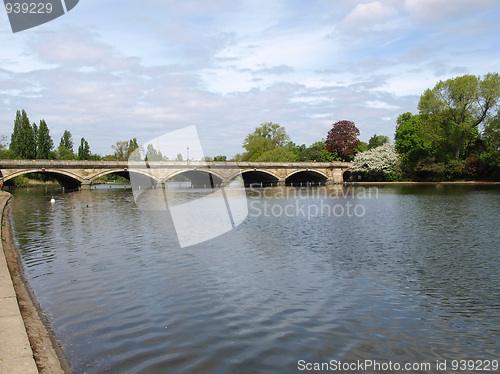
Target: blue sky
113, 70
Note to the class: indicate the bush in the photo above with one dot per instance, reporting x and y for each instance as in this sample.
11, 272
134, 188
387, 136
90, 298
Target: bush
21, 181
378, 164
454, 170
489, 166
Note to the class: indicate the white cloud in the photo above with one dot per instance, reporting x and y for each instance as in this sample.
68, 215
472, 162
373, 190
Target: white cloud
368, 14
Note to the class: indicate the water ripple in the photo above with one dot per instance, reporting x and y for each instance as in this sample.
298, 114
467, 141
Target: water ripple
414, 280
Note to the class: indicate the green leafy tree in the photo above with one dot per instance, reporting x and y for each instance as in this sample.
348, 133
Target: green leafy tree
67, 140
455, 107
315, 152
23, 139
5, 152
487, 164
491, 134
377, 140
152, 154
410, 139
65, 149
44, 142
84, 150
416, 150
15, 140
124, 149
121, 150
237, 158
64, 153
132, 146
267, 137
280, 154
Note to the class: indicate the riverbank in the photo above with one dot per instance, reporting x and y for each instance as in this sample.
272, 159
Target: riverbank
27, 344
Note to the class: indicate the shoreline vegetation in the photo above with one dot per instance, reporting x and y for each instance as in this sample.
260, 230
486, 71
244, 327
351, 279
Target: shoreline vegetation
49, 356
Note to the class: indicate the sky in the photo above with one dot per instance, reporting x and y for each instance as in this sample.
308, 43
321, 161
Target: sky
118, 69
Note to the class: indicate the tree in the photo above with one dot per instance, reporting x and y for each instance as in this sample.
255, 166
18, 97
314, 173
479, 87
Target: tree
377, 140
410, 139
152, 154
28, 135
121, 150
67, 141
266, 137
65, 149
343, 139
377, 163
84, 150
491, 133
280, 154
5, 152
453, 108
132, 146
15, 138
315, 152
44, 142
418, 159
124, 149
489, 159
23, 140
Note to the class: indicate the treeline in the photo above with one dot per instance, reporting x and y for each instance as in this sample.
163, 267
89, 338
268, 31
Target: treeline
455, 136
31, 141
270, 142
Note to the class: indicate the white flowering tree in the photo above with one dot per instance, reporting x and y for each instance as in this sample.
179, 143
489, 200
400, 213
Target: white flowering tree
377, 163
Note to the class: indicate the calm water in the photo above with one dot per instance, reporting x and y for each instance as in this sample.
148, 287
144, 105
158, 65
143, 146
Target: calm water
411, 275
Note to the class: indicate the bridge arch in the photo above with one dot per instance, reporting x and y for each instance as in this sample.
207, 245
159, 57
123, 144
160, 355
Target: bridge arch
65, 177
306, 176
348, 176
199, 177
258, 177
123, 173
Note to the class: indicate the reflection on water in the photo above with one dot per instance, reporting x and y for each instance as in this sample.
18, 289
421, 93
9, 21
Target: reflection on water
413, 279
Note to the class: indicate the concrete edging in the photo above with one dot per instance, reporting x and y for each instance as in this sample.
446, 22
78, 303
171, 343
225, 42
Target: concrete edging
36, 349
16, 355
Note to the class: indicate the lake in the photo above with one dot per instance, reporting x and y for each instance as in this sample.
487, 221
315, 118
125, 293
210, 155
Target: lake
312, 278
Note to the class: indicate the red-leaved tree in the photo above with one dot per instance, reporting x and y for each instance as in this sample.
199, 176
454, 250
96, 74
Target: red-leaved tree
343, 138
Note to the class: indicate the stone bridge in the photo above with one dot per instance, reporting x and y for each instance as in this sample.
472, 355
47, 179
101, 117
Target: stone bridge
82, 174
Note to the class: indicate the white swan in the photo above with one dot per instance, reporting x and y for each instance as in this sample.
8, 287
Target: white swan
52, 201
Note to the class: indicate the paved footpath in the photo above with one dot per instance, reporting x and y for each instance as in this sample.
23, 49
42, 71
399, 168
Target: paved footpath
16, 355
